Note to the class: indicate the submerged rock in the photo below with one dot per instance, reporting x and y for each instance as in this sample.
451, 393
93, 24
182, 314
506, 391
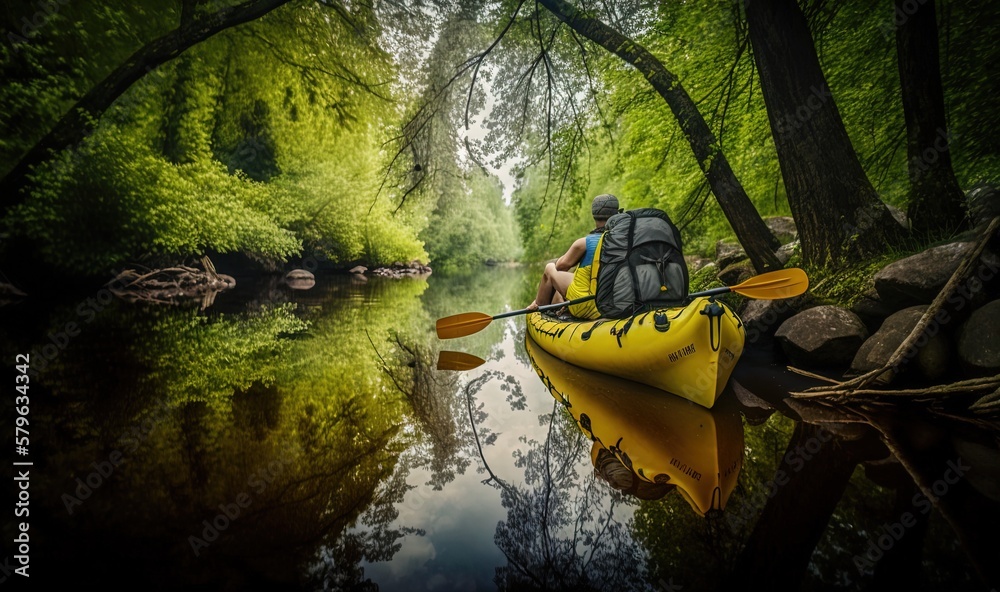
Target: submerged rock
979, 341
300, 279
824, 336
930, 354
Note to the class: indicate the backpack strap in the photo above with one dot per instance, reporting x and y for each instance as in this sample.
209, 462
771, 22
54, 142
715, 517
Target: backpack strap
635, 277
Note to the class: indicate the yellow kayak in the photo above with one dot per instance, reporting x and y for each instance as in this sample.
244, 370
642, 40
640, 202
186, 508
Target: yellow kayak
664, 440
689, 351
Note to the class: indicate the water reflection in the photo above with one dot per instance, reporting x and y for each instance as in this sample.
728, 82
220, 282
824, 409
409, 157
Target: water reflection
664, 441
354, 463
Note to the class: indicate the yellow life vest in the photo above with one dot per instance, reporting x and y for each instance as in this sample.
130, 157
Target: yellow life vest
585, 280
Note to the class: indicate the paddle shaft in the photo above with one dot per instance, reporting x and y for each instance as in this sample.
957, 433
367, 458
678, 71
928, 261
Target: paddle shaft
712, 292
514, 313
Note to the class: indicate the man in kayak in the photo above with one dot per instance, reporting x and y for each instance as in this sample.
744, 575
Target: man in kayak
558, 283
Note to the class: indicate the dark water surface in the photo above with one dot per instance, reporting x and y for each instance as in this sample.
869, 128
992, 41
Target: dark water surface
305, 440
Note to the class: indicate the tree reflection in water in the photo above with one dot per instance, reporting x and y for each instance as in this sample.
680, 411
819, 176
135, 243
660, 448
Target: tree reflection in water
564, 530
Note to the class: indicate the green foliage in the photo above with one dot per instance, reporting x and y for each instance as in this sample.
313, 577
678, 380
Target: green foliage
265, 139
337, 133
113, 199
471, 225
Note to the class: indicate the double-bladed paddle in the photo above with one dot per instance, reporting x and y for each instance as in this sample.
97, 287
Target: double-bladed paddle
773, 285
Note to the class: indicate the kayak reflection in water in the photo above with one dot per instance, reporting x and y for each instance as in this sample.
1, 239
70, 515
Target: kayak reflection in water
647, 442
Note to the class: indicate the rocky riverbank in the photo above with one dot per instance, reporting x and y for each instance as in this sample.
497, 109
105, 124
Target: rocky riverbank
854, 321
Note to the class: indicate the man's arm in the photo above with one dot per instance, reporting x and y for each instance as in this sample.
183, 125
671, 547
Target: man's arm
573, 256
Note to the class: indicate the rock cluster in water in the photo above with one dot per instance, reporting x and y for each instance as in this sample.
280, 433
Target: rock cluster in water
400, 270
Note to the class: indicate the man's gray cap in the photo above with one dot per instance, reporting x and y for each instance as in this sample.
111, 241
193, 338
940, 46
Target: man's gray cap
604, 206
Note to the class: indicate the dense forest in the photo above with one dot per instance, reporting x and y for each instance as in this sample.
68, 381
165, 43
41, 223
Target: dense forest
373, 133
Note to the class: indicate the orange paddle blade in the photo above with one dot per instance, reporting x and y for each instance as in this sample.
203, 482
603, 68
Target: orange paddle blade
461, 325
783, 283
453, 360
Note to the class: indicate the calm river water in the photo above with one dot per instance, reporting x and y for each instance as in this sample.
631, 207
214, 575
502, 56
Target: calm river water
287, 439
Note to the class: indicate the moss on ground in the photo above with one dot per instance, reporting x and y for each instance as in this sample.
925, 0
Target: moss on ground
705, 278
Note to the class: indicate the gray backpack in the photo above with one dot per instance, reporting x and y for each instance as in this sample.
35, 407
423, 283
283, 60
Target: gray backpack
641, 266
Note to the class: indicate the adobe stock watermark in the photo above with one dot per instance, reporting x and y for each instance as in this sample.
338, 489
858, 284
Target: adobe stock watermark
47, 10
59, 339
772, 316
886, 537
104, 468
804, 112
232, 511
930, 155
796, 459
900, 15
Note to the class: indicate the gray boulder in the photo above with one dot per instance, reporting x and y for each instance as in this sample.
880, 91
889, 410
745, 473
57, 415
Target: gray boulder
871, 310
899, 215
761, 318
824, 336
984, 204
694, 262
736, 273
728, 253
785, 252
783, 228
918, 279
979, 341
359, 269
930, 354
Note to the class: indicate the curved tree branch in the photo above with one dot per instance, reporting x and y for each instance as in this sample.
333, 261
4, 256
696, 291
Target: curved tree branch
78, 121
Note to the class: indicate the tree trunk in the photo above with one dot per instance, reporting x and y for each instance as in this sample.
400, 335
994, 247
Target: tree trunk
836, 209
750, 229
76, 123
936, 200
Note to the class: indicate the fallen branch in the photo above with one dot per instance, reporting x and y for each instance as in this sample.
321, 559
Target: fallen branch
808, 374
956, 388
172, 285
